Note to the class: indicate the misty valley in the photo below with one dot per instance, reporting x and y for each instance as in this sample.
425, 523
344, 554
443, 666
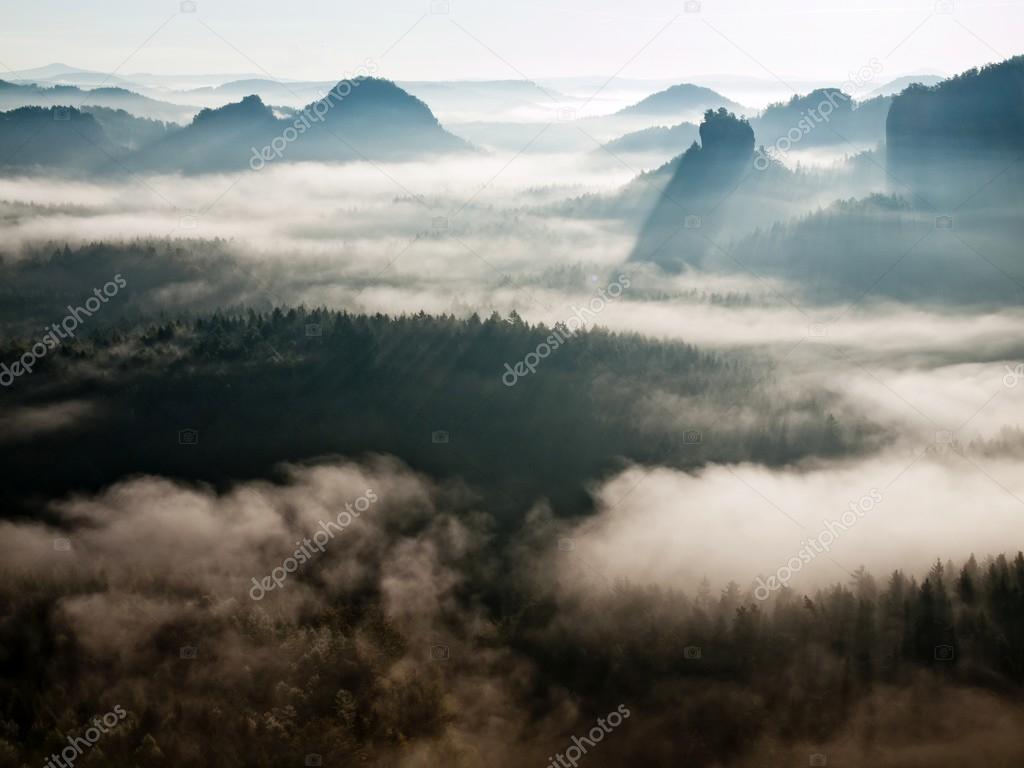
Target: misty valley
404, 421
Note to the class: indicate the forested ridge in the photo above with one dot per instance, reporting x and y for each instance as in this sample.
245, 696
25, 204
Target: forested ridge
261, 388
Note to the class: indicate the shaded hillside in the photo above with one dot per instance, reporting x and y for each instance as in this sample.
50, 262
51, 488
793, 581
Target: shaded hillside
377, 119
659, 139
368, 118
33, 138
375, 384
826, 116
129, 132
216, 140
883, 248
13, 96
962, 135
702, 178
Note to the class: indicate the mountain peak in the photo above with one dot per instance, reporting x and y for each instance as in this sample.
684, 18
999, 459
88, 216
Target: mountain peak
372, 99
680, 98
248, 109
722, 131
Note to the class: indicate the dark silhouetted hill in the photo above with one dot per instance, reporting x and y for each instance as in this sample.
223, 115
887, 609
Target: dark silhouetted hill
373, 118
129, 132
217, 140
34, 138
365, 118
703, 177
826, 116
961, 137
361, 119
881, 247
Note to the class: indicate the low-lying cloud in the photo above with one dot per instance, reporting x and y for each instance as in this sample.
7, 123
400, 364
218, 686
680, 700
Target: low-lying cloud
738, 522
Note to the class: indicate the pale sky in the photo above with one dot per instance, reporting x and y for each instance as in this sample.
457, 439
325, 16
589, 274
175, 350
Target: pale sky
476, 39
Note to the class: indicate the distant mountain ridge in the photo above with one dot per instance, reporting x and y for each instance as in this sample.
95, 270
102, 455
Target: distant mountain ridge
682, 99
900, 84
13, 96
674, 139
364, 118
